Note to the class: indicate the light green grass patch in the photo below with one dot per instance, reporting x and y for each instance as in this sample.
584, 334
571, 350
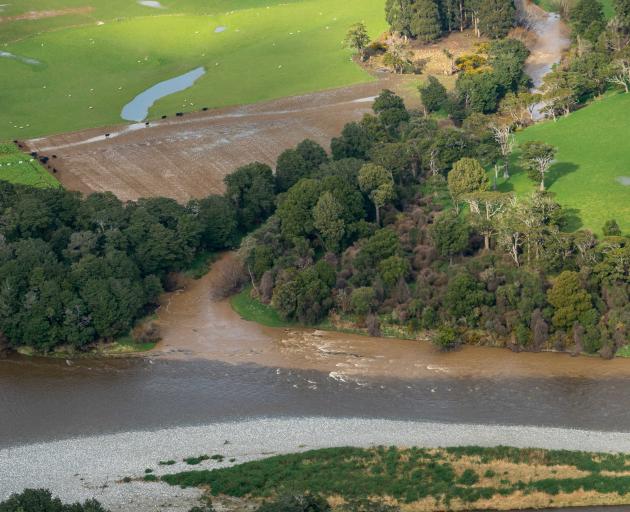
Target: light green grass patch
593, 154
551, 6
20, 168
253, 310
89, 73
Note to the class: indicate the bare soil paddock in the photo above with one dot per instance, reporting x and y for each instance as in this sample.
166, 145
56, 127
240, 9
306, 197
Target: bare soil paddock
186, 157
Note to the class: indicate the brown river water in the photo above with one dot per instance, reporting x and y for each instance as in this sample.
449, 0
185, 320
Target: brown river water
213, 366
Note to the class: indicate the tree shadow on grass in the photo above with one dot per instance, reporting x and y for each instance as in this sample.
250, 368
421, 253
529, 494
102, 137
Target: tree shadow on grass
571, 220
558, 171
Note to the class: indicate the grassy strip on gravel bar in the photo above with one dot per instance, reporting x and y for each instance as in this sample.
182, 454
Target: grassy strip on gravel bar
467, 478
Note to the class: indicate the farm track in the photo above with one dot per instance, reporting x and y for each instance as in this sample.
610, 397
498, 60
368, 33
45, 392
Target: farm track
187, 157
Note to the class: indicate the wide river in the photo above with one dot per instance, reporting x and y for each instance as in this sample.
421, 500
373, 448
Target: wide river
212, 366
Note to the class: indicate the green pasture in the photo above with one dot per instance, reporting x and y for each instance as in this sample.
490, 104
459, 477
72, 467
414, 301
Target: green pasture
552, 5
593, 158
90, 71
18, 167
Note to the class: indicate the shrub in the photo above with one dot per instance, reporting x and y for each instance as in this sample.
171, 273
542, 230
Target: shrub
446, 338
41, 500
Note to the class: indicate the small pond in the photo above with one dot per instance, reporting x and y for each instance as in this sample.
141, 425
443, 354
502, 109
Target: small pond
151, 3
624, 180
218, 30
25, 60
138, 108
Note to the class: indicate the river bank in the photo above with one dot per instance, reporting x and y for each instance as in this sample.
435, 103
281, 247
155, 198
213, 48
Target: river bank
95, 466
193, 325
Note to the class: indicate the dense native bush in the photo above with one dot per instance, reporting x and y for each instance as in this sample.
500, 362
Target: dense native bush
374, 237
76, 270
41, 500
427, 20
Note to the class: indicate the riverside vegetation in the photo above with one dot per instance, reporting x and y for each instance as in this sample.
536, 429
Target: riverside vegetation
392, 479
464, 478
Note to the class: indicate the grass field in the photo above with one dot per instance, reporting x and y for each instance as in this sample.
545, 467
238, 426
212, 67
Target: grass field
549, 5
255, 311
593, 155
17, 167
92, 64
467, 478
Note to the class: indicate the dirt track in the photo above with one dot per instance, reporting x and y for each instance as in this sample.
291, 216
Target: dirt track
184, 157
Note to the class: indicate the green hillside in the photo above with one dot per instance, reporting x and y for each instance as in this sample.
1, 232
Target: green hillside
88, 72
593, 160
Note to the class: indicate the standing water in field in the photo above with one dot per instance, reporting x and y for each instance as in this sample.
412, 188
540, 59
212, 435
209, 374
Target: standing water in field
151, 3
138, 108
25, 60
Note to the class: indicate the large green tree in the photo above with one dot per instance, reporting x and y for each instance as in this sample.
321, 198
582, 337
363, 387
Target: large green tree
378, 184
251, 189
496, 17
465, 177
425, 24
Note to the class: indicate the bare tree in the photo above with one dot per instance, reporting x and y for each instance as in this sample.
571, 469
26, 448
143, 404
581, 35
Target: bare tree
621, 76
228, 276
543, 163
504, 137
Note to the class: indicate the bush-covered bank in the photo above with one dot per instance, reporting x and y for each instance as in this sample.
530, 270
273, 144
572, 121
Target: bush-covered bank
80, 273
368, 238
467, 478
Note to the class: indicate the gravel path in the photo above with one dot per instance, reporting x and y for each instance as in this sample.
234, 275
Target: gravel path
81, 468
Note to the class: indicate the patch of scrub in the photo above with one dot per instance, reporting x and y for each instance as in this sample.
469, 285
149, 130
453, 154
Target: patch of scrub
151, 3
220, 29
138, 108
25, 60
624, 180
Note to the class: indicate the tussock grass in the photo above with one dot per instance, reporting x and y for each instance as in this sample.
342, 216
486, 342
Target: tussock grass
415, 479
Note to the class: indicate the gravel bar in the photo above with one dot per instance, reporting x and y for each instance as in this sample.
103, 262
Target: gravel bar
82, 468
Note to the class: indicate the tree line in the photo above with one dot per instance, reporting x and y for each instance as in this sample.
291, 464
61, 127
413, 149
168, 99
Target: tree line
428, 20
77, 270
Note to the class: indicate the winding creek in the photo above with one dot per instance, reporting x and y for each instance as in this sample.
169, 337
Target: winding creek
215, 370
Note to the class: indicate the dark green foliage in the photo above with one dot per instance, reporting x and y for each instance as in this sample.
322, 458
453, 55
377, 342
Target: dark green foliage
425, 22
433, 94
451, 235
313, 154
391, 111
150, 478
398, 14
587, 19
496, 17
193, 461
251, 190
305, 295
622, 12
469, 477
292, 503
41, 500
464, 296
290, 168
75, 270
611, 228
406, 475
218, 216
445, 338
